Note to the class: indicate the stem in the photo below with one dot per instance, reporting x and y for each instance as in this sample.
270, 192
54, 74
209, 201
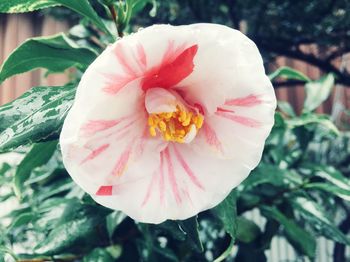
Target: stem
114, 15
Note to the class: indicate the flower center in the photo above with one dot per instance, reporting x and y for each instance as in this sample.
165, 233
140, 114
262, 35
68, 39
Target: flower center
179, 126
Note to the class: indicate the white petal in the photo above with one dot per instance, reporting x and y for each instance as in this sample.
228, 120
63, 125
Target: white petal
159, 100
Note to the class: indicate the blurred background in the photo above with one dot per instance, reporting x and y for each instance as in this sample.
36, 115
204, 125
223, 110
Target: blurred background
311, 36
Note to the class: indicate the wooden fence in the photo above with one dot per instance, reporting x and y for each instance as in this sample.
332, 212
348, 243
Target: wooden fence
14, 29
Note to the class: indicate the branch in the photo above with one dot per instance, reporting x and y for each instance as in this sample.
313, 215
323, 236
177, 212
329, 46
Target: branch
342, 77
287, 83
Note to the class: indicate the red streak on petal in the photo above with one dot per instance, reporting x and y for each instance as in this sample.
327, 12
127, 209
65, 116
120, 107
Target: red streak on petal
246, 121
219, 109
172, 178
95, 153
105, 191
94, 126
248, 101
116, 83
122, 162
187, 169
161, 178
141, 147
170, 74
121, 56
211, 137
142, 55
149, 190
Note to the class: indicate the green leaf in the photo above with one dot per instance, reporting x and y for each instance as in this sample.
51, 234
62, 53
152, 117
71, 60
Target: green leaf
76, 230
317, 92
36, 116
289, 73
226, 212
307, 119
297, 236
271, 174
82, 7
37, 156
54, 53
98, 255
5, 250
113, 220
22, 219
247, 231
190, 228
286, 108
327, 187
316, 217
332, 175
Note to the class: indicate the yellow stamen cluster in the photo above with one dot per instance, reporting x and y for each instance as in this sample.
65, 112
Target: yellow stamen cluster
174, 126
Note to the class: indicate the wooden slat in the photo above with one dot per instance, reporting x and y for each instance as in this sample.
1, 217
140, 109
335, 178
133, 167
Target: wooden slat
8, 88
25, 30
51, 27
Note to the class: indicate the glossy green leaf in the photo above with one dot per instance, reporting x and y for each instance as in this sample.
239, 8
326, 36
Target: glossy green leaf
317, 92
327, 187
39, 155
82, 7
36, 116
289, 73
21, 220
226, 212
190, 228
113, 220
286, 108
4, 250
307, 119
316, 217
247, 230
76, 230
298, 237
271, 174
98, 255
54, 53
332, 175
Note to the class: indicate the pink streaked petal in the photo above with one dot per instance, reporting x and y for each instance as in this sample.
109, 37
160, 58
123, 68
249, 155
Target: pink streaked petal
161, 178
142, 56
248, 101
119, 168
120, 54
171, 176
95, 153
246, 121
187, 169
220, 109
115, 83
149, 189
105, 191
211, 137
141, 146
94, 126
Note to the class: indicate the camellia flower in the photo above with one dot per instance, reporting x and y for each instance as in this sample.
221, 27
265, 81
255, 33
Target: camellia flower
167, 121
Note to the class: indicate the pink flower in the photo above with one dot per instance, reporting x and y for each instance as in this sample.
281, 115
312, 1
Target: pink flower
167, 121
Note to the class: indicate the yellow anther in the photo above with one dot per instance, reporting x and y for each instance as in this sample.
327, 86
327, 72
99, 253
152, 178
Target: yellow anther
188, 119
183, 116
162, 126
199, 121
174, 126
152, 131
167, 136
